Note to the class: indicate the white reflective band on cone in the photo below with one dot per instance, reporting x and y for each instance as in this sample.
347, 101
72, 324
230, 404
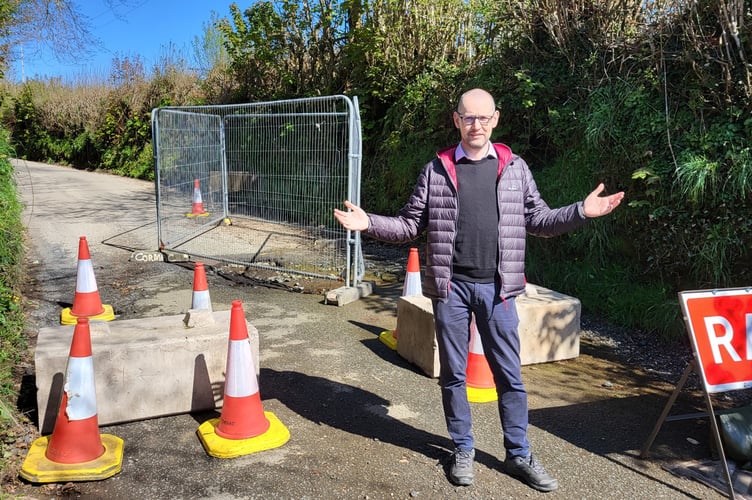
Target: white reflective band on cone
412, 286
79, 386
85, 281
476, 346
201, 300
241, 378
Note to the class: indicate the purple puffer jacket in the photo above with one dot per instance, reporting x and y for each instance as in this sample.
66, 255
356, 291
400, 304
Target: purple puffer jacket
433, 206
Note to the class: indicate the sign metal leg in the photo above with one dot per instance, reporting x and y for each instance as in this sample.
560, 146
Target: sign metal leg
669, 404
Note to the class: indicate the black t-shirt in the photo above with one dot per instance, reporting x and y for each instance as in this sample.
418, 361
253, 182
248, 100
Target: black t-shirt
477, 239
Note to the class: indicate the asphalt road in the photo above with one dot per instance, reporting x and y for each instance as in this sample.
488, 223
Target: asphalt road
364, 424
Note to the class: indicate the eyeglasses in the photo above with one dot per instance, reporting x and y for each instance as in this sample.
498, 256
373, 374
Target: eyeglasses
469, 120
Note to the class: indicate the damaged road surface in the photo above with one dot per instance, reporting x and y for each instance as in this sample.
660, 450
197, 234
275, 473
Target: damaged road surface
363, 422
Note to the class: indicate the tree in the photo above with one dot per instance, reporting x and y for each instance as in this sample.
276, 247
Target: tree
285, 48
209, 50
55, 26
213, 62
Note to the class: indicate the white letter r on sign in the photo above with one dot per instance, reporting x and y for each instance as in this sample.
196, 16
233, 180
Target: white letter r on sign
723, 340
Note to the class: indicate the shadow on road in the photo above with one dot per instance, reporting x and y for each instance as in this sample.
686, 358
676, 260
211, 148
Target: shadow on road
355, 411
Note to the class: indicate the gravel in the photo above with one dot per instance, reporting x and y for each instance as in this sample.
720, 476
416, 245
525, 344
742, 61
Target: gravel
666, 361
663, 360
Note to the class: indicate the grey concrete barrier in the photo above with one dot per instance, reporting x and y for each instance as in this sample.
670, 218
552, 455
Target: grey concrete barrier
549, 329
143, 368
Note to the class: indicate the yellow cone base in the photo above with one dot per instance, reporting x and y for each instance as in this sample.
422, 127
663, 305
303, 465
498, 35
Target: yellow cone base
387, 338
37, 468
481, 395
205, 214
217, 446
66, 318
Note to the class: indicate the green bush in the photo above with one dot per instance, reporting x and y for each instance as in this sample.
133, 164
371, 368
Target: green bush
12, 341
637, 99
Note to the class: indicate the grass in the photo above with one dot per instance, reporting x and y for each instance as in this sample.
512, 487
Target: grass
12, 342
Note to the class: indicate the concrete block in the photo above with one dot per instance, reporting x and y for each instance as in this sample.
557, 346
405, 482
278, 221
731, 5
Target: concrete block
344, 295
416, 340
549, 329
172, 256
549, 325
143, 368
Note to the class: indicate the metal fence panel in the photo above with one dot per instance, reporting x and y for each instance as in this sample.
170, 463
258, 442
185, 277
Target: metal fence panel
269, 175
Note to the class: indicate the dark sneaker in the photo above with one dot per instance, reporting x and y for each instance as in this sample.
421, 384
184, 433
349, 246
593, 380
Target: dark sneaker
461, 469
530, 472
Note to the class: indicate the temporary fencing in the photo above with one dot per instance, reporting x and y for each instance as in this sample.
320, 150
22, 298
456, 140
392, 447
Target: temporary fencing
270, 175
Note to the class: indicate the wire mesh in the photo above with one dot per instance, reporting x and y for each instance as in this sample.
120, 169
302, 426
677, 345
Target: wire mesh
256, 184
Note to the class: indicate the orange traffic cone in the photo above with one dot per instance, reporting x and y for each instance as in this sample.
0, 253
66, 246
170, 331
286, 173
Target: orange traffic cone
86, 300
411, 287
75, 451
201, 298
481, 387
243, 427
197, 208
412, 284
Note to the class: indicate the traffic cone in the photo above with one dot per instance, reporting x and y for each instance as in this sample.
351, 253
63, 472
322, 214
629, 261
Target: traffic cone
75, 451
243, 426
481, 387
86, 300
201, 298
411, 287
197, 208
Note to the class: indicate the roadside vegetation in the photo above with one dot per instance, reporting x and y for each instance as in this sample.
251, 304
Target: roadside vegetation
653, 98
649, 97
12, 344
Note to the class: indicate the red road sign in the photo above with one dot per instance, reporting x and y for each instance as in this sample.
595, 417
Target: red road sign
720, 327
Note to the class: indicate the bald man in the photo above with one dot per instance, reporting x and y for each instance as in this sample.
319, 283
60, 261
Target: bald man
476, 202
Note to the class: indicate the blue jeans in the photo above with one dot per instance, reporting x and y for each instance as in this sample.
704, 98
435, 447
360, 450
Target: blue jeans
497, 323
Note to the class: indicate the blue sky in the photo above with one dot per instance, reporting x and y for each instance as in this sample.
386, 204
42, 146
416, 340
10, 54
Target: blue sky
142, 28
